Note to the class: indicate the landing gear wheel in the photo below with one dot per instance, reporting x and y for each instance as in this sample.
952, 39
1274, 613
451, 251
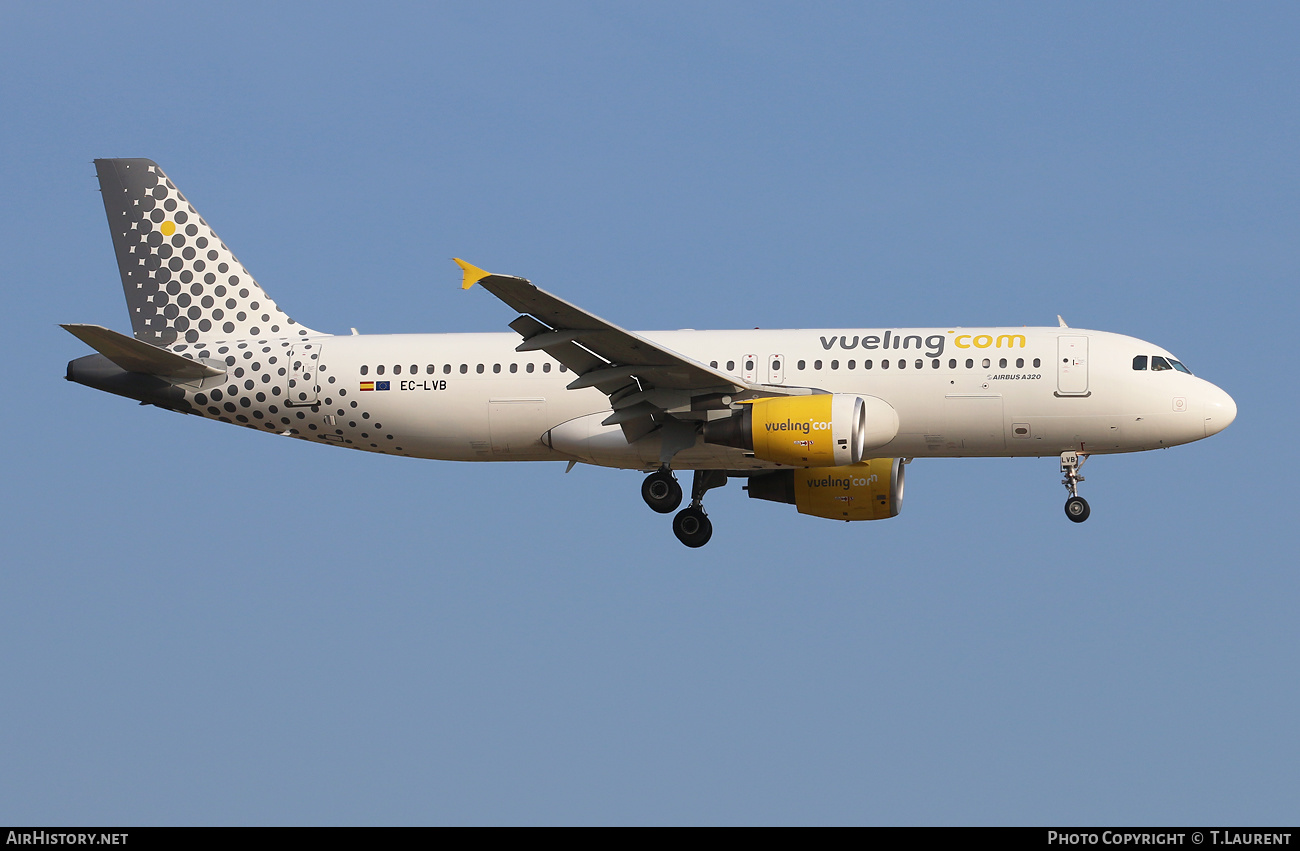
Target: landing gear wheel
1076, 507
661, 492
692, 527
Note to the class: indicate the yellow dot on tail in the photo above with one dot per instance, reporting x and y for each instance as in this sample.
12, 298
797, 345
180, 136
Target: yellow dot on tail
168, 228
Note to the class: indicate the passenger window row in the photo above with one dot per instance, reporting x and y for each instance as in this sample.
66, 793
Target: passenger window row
432, 369
919, 363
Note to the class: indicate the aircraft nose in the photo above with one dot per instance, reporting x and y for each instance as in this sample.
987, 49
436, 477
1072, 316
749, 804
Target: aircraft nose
1220, 411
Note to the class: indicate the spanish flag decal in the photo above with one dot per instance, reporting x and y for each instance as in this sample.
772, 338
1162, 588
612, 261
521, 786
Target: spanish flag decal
367, 385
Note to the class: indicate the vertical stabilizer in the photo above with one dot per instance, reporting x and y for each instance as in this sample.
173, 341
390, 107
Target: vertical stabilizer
182, 284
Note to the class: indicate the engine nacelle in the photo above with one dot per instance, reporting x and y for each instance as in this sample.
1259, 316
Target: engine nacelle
869, 490
826, 430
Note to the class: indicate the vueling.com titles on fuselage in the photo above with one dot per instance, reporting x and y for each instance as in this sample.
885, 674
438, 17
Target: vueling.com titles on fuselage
933, 344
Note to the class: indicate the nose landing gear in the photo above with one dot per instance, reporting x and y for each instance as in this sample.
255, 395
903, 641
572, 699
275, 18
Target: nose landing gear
1076, 507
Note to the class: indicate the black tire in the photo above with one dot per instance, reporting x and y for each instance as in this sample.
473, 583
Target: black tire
692, 527
1076, 508
661, 492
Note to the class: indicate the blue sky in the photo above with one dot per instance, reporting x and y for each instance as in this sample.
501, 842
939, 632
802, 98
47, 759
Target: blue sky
204, 625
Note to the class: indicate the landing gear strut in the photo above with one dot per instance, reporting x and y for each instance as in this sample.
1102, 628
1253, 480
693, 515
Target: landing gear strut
691, 525
661, 491
1076, 507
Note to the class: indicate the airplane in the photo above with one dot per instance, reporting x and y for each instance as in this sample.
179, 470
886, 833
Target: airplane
823, 419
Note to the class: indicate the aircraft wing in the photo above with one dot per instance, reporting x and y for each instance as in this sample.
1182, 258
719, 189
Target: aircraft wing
643, 379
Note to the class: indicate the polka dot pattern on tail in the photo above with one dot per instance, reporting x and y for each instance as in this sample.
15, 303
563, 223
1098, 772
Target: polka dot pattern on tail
187, 292
182, 284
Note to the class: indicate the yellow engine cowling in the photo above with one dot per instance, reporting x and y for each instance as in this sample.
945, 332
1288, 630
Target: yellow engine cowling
825, 430
869, 490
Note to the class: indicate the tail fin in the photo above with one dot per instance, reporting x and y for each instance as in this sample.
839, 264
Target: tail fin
182, 284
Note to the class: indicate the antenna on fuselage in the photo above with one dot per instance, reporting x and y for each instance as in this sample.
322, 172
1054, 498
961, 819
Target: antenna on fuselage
1062, 321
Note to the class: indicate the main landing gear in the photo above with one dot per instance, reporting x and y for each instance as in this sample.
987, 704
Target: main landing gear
692, 526
1076, 507
662, 493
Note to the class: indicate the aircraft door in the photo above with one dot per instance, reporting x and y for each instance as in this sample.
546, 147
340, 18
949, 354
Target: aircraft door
775, 369
749, 368
304, 362
1071, 366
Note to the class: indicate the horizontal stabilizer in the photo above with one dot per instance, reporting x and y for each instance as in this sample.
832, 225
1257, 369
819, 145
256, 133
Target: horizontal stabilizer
137, 356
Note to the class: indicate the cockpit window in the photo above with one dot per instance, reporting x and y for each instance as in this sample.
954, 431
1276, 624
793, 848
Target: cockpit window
1140, 362
1158, 363
1178, 366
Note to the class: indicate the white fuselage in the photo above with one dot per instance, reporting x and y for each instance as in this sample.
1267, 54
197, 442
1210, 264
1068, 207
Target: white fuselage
957, 392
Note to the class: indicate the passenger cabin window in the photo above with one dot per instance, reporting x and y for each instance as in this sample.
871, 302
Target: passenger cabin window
1140, 362
817, 364
1038, 362
835, 364
987, 363
1002, 364
397, 370
496, 367
803, 364
528, 367
970, 363
365, 370
713, 364
514, 367
479, 369
546, 367
379, 370
866, 364
731, 366
1020, 363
